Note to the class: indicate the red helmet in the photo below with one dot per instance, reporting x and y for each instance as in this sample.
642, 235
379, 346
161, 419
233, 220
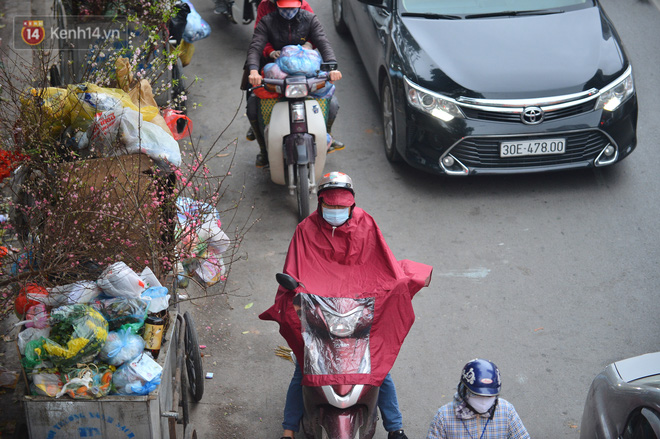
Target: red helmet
289, 3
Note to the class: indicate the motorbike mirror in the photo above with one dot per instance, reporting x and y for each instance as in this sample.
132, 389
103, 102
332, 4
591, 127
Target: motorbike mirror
328, 66
286, 281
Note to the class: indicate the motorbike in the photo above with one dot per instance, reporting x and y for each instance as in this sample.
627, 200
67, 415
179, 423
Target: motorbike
296, 135
335, 331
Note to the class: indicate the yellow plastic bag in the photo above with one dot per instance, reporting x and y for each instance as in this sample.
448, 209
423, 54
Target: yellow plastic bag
89, 99
52, 103
187, 51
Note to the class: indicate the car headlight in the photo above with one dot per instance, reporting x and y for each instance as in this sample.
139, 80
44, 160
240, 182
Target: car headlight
617, 92
436, 105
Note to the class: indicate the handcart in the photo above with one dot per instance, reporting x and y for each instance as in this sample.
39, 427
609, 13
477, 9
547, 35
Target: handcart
155, 415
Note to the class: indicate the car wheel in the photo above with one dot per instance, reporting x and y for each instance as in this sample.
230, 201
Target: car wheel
338, 17
389, 127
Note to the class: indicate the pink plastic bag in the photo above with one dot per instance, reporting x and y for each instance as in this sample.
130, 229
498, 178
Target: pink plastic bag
180, 124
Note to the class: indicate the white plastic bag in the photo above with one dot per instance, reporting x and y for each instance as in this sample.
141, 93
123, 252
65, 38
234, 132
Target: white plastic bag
158, 299
196, 28
121, 346
70, 294
149, 278
118, 280
140, 376
134, 135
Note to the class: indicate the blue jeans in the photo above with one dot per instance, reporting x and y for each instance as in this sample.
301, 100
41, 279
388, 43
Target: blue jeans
387, 403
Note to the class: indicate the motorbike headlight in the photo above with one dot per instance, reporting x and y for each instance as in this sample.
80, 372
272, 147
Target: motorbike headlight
343, 325
617, 92
436, 105
296, 90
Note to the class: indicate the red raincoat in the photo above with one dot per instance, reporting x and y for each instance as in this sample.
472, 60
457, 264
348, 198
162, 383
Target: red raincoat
352, 260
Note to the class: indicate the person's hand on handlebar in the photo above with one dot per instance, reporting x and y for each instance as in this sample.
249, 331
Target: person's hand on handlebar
255, 78
334, 75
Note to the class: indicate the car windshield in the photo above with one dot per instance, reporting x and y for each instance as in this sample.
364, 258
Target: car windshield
487, 8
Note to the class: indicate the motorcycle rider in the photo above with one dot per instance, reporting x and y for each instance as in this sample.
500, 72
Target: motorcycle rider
477, 411
344, 239
290, 25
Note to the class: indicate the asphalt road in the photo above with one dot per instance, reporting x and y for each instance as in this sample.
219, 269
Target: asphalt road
551, 276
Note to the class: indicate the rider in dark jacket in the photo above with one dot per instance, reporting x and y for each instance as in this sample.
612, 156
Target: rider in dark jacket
280, 29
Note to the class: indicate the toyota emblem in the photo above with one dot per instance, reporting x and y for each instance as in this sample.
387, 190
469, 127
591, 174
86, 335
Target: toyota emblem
532, 116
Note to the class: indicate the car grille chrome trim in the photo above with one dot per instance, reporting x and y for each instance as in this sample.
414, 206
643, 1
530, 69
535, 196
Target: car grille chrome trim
512, 110
482, 152
549, 102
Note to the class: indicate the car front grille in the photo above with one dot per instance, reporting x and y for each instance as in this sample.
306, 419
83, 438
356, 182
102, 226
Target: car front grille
514, 117
480, 152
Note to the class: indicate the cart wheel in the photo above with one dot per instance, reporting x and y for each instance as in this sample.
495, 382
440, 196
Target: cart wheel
189, 432
193, 359
185, 406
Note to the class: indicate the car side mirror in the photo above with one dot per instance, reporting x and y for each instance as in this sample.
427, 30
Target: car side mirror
286, 281
376, 3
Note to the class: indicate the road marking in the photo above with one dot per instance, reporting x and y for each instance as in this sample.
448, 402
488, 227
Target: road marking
472, 273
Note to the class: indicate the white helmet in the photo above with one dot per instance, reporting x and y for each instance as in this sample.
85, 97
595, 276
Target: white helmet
335, 180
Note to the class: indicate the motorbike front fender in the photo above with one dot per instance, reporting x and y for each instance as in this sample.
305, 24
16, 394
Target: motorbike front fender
279, 127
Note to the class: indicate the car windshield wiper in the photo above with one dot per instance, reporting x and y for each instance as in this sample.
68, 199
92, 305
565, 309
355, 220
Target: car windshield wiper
515, 13
431, 16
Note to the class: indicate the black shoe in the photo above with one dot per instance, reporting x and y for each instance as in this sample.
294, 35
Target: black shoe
262, 161
250, 135
399, 434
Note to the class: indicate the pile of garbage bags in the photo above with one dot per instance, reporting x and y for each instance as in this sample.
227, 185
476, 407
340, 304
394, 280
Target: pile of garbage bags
84, 339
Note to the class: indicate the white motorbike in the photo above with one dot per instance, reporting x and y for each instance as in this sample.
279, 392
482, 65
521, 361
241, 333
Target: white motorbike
296, 137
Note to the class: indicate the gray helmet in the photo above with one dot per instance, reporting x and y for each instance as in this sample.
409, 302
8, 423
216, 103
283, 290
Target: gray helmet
335, 180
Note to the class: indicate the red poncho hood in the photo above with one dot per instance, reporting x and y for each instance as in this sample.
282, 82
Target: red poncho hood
352, 260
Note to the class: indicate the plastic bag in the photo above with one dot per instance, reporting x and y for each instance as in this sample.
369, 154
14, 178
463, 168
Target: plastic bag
89, 99
87, 383
186, 53
149, 278
46, 384
36, 317
297, 60
77, 335
123, 311
175, 118
35, 354
30, 334
119, 280
158, 299
70, 294
177, 24
140, 376
121, 346
196, 28
8, 378
134, 135
29, 295
273, 71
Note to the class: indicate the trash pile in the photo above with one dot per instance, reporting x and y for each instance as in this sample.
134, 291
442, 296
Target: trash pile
87, 339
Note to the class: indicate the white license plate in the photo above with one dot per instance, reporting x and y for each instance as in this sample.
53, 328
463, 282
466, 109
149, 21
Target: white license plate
519, 148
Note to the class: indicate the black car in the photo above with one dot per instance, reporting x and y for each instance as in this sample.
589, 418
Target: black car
493, 87
624, 401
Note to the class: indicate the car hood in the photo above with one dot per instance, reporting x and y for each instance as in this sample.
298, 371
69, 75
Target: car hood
513, 57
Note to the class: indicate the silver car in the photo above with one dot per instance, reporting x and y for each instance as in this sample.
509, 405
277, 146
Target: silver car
624, 401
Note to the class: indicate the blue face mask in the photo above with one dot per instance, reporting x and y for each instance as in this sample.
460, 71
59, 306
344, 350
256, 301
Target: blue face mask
288, 13
336, 217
